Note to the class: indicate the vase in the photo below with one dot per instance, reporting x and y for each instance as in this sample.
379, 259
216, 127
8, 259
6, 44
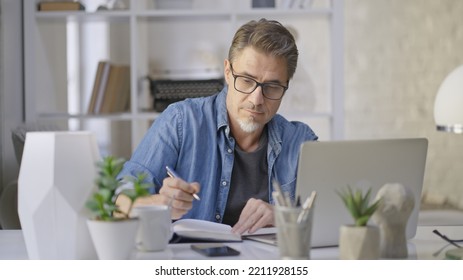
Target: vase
359, 243
56, 178
113, 240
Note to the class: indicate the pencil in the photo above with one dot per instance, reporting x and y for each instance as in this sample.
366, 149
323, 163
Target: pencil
174, 174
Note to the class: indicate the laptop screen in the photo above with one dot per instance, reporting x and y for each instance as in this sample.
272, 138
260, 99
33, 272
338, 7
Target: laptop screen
327, 167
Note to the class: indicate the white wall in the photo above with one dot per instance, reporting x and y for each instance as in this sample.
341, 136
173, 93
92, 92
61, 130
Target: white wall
397, 54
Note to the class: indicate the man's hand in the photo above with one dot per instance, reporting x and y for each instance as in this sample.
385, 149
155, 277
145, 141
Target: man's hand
179, 195
256, 214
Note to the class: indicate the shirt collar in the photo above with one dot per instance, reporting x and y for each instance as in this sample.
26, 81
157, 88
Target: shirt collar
221, 107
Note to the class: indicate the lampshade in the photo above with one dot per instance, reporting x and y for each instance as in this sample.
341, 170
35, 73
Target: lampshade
448, 106
56, 178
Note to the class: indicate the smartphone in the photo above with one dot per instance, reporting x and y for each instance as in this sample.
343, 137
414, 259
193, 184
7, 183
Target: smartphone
212, 250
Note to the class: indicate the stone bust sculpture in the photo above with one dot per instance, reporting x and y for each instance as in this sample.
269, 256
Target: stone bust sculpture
392, 215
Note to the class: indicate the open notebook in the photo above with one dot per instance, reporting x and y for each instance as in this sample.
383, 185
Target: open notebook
192, 230
329, 166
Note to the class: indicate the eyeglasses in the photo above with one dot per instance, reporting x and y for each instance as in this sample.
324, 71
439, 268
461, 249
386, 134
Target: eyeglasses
451, 241
247, 85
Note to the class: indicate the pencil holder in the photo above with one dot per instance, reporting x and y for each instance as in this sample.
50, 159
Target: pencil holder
294, 230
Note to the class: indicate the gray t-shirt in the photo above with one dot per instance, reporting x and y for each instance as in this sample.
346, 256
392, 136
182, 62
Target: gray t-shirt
249, 180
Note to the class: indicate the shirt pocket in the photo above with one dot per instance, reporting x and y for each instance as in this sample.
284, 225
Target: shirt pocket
289, 186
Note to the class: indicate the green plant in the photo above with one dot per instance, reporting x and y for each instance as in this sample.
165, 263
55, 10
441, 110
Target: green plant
103, 202
359, 205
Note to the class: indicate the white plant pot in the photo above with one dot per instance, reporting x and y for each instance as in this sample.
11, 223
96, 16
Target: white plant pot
113, 240
358, 243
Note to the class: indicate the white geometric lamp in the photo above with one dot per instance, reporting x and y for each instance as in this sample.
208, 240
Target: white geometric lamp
56, 178
448, 105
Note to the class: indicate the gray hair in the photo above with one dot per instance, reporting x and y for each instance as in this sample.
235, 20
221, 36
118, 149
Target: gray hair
268, 36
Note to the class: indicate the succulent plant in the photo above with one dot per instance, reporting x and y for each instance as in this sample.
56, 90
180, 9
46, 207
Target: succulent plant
358, 204
103, 202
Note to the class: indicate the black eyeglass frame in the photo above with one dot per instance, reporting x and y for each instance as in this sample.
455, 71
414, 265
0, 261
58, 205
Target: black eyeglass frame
261, 85
451, 241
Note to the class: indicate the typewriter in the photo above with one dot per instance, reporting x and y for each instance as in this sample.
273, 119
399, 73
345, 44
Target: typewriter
166, 92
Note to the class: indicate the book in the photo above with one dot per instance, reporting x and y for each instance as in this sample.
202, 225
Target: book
117, 90
96, 87
60, 6
111, 89
121, 95
101, 81
192, 230
267, 238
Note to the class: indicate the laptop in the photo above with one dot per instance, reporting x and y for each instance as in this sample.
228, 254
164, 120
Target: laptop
329, 166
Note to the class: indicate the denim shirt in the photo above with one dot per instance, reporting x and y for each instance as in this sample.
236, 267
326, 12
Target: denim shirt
193, 136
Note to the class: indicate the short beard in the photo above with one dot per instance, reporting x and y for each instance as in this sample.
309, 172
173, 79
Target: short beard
248, 126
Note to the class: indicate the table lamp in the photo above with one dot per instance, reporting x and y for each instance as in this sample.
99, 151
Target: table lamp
56, 178
448, 115
448, 106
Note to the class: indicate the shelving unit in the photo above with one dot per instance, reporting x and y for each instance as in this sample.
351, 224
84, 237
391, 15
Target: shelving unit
62, 50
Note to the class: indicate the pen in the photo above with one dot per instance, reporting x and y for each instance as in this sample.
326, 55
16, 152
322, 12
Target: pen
174, 174
307, 207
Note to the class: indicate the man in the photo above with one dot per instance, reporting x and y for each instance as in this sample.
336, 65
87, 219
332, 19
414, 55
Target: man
228, 148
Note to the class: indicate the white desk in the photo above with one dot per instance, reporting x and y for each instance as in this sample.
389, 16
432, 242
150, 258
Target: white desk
425, 245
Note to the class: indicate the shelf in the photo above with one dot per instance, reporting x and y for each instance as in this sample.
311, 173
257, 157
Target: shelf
153, 116
183, 14
112, 117
143, 39
285, 12
176, 14
83, 16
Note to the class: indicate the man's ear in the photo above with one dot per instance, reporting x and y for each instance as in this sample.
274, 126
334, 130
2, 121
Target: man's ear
227, 72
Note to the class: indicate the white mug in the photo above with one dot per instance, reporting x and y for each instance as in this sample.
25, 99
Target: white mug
154, 231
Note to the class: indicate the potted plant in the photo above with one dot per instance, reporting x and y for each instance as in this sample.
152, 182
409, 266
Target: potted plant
359, 241
112, 229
